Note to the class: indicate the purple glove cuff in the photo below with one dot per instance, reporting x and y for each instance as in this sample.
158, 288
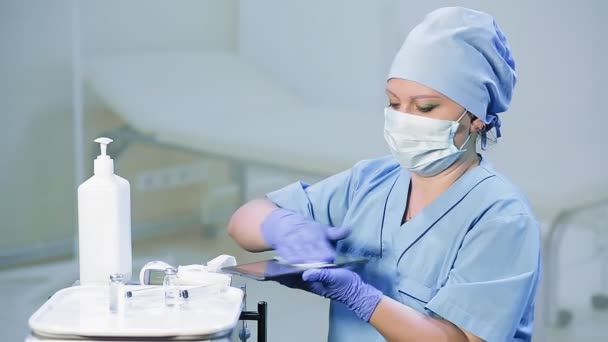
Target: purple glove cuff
366, 302
270, 223
346, 287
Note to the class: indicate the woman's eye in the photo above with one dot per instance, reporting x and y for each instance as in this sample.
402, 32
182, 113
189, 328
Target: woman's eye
394, 105
426, 108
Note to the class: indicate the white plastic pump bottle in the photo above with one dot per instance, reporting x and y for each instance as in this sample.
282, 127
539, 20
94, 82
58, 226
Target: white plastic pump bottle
104, 223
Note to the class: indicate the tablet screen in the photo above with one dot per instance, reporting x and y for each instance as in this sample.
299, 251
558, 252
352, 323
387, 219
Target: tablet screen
273, 269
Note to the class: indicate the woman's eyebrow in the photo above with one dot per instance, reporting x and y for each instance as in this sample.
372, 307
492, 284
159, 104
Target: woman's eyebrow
391, 93
416, 97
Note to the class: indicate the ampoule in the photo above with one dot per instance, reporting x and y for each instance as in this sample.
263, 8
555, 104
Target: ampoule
172, 290
117, 293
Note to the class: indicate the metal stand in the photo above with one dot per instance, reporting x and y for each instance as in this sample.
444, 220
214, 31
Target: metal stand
260, 316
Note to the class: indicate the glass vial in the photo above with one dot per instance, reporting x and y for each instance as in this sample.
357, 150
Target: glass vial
116, 293
172, 290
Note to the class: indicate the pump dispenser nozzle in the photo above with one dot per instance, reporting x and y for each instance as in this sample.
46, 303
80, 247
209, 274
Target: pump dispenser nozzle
104, 142
103, 164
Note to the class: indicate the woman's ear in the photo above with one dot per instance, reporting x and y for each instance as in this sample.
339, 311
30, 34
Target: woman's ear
477, 126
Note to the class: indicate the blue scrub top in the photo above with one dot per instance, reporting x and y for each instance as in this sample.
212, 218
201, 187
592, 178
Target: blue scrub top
472, 256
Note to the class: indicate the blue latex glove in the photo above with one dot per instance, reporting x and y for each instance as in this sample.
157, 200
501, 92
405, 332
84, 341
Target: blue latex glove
346, 287
299, 239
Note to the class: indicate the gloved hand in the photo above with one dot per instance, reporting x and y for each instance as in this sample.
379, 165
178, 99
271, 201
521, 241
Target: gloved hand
346, 287
299, 239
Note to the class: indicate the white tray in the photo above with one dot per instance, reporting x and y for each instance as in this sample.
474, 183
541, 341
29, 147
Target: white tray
83, 312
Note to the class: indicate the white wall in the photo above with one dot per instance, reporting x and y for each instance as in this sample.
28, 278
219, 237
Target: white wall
115, 26
330, 53
336, 53
35, 144
37, 201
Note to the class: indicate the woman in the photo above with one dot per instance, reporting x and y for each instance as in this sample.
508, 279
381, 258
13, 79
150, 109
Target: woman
453, 245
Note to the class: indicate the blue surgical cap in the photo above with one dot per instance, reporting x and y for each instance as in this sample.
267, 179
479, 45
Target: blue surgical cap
463, 54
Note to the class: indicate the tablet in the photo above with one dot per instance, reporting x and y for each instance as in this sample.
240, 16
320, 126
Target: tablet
274, 269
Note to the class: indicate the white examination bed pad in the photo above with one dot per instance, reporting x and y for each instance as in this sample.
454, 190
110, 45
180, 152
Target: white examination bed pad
215, 102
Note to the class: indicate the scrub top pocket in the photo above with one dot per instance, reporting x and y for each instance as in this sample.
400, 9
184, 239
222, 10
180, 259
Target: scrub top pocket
414, 294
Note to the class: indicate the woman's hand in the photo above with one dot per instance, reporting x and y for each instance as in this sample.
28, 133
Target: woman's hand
344, 286
395, 321
299, 239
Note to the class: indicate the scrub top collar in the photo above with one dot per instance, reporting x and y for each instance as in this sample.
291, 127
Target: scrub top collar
407, 234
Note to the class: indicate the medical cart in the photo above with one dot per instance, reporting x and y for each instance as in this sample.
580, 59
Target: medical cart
81, 313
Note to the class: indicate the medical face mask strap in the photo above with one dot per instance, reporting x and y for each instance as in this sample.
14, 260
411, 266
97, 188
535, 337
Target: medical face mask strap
468, 136
462, 116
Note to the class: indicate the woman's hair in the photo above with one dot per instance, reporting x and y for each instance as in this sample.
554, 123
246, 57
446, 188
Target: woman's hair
488, 135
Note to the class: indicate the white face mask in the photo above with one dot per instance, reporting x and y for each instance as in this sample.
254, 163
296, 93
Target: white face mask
422, 145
